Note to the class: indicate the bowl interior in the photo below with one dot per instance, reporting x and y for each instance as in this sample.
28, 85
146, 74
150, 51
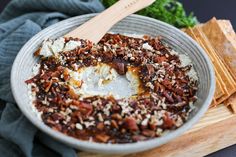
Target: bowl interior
134, 24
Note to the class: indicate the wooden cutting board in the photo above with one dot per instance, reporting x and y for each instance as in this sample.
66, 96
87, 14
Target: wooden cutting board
215, 131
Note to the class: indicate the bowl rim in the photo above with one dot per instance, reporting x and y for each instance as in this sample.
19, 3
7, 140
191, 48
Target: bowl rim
116, 148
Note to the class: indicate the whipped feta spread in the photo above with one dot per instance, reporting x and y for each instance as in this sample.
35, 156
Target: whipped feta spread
52, 47
147, 46
103, 80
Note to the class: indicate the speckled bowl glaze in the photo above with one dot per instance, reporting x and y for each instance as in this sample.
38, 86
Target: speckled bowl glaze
134, 24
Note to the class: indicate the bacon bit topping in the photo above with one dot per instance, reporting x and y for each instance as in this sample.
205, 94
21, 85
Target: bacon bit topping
120, 67
131, 124
85, 108
102, 138
148, 133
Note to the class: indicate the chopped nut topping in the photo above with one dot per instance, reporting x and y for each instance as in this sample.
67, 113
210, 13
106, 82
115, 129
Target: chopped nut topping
79, 126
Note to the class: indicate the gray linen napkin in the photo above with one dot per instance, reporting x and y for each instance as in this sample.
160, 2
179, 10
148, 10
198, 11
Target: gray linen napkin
20, 20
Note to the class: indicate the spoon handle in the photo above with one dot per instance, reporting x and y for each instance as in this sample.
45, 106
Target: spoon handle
98, 26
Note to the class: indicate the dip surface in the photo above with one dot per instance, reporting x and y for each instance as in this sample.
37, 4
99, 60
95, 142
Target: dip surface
122, 90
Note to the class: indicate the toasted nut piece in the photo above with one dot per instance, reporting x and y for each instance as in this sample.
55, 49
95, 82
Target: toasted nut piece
114, 124
168, 122
131, 124
150, 69
84, 108
139, 138
120, 68
159, 59
116, 116
148, 133
168, 97
100, 126
102, 138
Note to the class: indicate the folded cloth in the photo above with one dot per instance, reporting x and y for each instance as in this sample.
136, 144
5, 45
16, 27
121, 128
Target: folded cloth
20, 20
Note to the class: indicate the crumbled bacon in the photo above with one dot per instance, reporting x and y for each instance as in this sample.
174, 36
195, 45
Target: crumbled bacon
139, 138
102, 138
120, 68
150, 69
148, 133
85, 108
131, 124
168, 122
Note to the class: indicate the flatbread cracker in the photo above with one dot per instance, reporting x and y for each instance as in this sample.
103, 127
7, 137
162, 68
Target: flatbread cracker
219, 82
232, 102
225, 81
229, 82
222, 44
225, 75
218, 91
228, 30
213, 103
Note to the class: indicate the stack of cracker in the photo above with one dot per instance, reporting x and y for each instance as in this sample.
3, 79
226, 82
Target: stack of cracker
218, 39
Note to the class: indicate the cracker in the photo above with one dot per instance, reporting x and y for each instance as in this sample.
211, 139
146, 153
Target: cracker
220, 86
214, 55
211, 36
228, 30
213, 103
219, 91
232, 102
223, 44
224, 74
221, 67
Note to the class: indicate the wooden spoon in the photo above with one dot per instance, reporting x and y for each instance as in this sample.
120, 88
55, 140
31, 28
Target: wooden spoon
98, 26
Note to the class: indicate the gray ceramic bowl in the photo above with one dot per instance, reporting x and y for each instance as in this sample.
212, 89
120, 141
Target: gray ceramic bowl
134, 24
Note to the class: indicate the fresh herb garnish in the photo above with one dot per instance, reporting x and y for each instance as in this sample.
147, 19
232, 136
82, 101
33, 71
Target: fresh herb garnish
170, 11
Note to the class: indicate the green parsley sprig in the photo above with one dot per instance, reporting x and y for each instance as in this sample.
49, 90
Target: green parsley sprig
170, 11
